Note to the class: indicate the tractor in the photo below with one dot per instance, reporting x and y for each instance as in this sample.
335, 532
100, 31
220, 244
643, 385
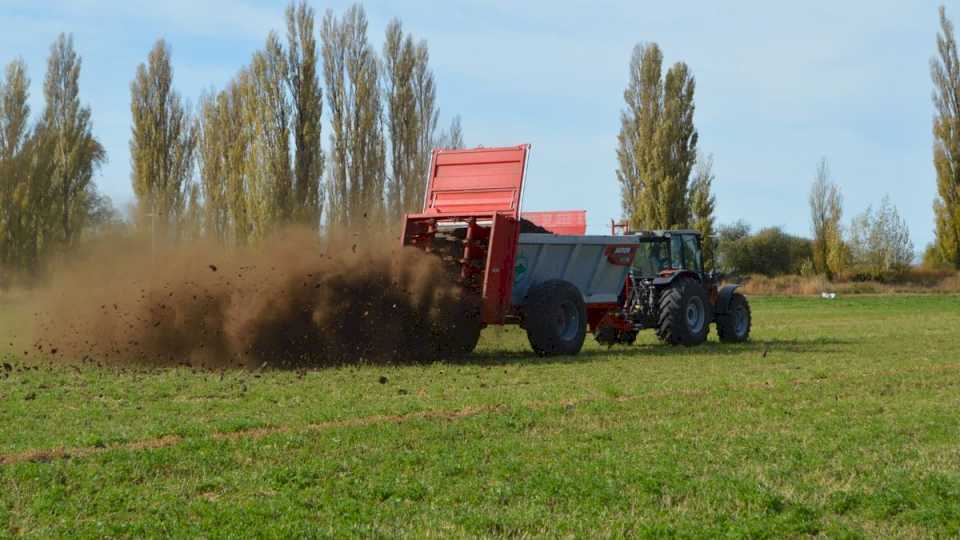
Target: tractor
668, 290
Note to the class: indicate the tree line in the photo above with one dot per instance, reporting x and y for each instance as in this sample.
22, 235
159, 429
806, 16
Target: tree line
258, 143
248, 158
666, 184
48, 199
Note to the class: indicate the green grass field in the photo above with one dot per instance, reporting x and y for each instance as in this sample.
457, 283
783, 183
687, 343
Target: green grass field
841, 418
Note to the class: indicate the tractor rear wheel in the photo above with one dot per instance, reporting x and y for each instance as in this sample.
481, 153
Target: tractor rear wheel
555, 318
685, 314
734, 325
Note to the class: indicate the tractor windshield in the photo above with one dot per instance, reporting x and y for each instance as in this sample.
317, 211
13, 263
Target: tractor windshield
675, 252
652, 258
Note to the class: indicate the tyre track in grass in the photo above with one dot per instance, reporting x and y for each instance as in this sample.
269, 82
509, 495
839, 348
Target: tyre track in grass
62, 453
51, 454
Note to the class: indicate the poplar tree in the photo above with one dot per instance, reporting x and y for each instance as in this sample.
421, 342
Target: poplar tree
270, 178
826, 213
36, 225
410, 96
702, 207
76, 153
255, 188
14, 115
14, 109
191, 225
225, 142
213, 140
29, 223
945, 71
307, 106
402, 119
425, 92
676, 140
638, 125
657, 142
238, 135
452, 137
162, 145
356, 164
455, 134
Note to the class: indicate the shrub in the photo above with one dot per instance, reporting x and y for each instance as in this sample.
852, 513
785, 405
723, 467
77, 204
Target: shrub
913, 280
880, 245
770, 252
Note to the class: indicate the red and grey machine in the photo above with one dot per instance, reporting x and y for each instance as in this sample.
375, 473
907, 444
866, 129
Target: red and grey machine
555, 286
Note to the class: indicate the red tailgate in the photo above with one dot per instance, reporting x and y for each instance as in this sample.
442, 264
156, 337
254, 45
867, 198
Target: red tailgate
477, 181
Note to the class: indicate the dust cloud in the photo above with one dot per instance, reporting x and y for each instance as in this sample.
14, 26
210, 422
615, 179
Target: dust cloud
292, 302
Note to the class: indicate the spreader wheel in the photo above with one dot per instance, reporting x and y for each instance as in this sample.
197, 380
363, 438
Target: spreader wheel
555, 318
462, 332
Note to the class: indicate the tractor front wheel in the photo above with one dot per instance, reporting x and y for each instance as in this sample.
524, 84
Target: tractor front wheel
555, 318
685, 314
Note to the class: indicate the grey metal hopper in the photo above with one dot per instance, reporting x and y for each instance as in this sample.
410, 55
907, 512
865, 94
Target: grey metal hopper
582, 260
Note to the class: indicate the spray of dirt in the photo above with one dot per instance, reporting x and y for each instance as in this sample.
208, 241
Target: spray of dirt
293, 302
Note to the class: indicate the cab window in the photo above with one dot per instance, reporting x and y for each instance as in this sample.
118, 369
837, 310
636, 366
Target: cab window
676, 252
652, 258
691, 253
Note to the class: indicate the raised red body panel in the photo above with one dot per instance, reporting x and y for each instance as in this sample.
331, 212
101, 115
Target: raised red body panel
481, 180
573, 222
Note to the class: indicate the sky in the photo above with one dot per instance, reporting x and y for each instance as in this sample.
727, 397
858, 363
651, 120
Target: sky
779, 86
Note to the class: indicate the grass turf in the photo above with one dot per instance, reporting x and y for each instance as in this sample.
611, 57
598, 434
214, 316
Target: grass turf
840, 418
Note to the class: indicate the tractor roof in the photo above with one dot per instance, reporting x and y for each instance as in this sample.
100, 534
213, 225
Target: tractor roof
661, 233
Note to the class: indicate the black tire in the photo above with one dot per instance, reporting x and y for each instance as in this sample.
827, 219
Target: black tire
555, 318
685, 314
460, 341
459, 338
734, 325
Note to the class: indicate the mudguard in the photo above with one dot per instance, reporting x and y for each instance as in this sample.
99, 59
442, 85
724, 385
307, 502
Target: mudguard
723, 298
659, 281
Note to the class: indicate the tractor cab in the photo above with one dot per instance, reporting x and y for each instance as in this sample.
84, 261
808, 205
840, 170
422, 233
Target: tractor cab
662, 253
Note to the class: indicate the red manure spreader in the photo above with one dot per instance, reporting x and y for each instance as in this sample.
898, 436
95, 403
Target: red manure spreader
559, 286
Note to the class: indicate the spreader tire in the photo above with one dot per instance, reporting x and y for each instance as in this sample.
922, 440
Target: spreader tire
460, 336
734, 325
461, 341
555, 317
685, 314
